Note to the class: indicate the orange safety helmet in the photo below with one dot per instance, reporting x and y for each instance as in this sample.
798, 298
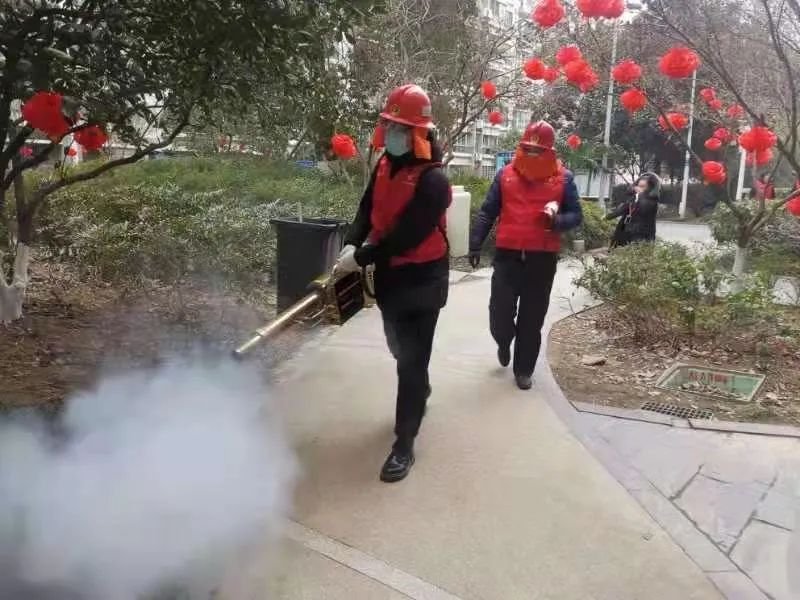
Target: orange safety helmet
539, 135
409, 105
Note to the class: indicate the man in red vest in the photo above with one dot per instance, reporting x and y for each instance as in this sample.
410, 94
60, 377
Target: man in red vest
400, 228
536, 199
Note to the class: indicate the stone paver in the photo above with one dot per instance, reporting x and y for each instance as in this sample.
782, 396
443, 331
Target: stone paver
763, 553
779, 509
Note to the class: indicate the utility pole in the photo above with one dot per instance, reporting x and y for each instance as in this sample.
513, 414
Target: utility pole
688, 157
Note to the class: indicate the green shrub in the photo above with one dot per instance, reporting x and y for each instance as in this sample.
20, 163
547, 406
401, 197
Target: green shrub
595, 230
661, 291
478, 187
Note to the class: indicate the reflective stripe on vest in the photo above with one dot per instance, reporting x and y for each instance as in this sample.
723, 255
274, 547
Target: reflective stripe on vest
390, 196
523, 224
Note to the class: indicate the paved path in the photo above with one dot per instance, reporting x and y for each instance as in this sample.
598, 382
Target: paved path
504, 502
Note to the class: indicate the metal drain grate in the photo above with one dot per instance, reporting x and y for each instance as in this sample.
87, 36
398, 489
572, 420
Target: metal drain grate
682, 412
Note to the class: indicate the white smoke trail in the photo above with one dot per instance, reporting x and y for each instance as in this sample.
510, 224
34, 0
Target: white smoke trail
162, 477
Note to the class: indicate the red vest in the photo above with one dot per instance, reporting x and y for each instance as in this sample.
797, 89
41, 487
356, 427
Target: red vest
523, 224
390, 196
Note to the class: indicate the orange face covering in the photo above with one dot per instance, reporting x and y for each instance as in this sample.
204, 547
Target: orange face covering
535, 167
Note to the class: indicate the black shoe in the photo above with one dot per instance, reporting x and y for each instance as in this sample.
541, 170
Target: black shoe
397, 466
504, 355
524, 382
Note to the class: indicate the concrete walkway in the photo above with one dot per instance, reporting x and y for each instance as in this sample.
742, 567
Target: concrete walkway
504, 501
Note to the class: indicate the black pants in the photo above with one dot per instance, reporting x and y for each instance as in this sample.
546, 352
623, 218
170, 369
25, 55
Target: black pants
521, 286
410, 339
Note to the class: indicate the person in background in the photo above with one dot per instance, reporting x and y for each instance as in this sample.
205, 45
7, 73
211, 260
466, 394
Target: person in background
637, 213
400, 229
534, 199
763, 188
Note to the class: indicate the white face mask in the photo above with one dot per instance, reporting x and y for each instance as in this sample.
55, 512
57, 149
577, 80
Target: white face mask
397, 140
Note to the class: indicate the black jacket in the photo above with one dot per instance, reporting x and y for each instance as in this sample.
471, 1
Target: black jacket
409, 287
637, 220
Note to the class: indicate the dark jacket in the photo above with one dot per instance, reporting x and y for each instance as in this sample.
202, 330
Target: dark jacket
637, 220
409, 287
569, 216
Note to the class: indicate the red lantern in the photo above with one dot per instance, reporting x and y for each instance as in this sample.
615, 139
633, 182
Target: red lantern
613, 9
715, 104
758, 139
574, 141
489, 90
714, 172
793, 206
581, 74
548, 13
343, 146
735, 111
674, 120
633, 100
72, 152
589, 82
568, 54
26, 152
534, 69
43, 111
550, 74
595, 9
627, 72
713, 144
496, 117
679, 62
708, 94
723, 134
92, 138
759, 158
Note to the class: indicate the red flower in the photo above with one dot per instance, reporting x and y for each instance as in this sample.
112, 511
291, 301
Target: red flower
489, 90
567, 54
71, 152
715, 104
735, 111
26, 152
714, 172
92, 138
723, 134
679, 62
43, 111
343, 146
674, 120
574, 141
713, 143
758, 139
581, 74
633, 100
626, 72
496, 117
708, 94
550, 74
548, 13
534, 68
793, 206
759, 158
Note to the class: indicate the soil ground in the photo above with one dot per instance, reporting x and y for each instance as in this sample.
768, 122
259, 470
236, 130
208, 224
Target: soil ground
74, 331
628, 377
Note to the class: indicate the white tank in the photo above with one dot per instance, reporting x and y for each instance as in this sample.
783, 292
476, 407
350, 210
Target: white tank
458, 221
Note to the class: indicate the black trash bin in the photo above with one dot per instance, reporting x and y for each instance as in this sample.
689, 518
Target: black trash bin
305, 250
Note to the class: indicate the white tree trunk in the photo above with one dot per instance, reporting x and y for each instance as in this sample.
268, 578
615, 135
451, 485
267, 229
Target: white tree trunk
740, 267
12, 295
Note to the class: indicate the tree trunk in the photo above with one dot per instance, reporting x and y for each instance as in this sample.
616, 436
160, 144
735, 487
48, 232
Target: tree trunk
13, 295
740, 267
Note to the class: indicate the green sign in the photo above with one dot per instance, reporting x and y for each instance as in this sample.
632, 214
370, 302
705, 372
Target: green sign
710, 381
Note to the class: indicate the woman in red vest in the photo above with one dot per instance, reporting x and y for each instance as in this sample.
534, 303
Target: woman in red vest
400, 228
536, 199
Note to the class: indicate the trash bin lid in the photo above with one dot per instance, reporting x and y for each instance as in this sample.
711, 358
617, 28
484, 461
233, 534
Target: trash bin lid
307, 224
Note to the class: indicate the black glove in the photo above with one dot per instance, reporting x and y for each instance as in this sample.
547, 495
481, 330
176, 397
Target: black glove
474, 259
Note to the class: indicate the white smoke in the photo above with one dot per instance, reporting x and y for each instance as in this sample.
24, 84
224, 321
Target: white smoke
161, 478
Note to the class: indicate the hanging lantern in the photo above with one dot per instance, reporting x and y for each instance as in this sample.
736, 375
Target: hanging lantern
680, 62
496, 117
715, 104
758, 139
793, 206
43, 111
613, 9
568, 54
92, 138
708, 94
548, 13
673, 120
759, 158
534, 69
574, 141
714, 172
722, 134
735, 111
489, 90
343, 146
550, 74
627, 72
633, 100
713, 144
580, 74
